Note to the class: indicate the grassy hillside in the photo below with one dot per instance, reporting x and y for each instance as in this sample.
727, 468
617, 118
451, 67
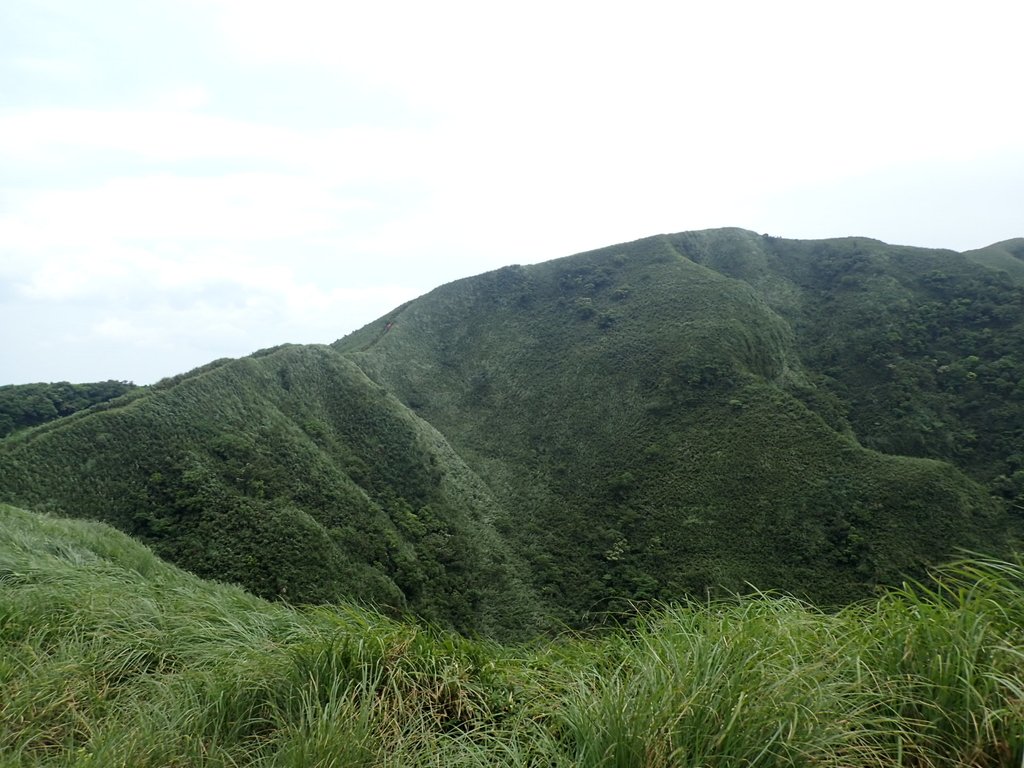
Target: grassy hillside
1007, 256
683, 416
291, 474
920, 351
653, 427
111, 658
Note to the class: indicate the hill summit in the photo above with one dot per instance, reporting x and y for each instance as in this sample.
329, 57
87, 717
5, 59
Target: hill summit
679, 416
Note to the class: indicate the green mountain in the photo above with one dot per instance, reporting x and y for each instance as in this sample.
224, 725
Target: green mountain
290, 473
692, 412
28, 405
683, 415
1007, 256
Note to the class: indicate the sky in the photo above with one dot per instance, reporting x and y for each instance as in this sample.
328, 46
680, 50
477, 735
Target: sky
186, 180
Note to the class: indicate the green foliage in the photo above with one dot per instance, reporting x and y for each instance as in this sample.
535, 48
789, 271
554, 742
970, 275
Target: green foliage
918, 351
691, 446
29, 405
292, 475
684, 416
110, 657
1007, 256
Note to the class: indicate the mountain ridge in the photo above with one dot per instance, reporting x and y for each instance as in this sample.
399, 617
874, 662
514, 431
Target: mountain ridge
681, 415
580, 304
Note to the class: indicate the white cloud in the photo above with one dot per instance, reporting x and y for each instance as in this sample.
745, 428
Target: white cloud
161, 313
175, 220
54, 67
184, 98
876, 80
164, 134
242, 207
177, 135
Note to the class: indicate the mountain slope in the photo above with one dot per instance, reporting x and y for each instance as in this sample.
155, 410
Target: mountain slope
291, 474
28, 405
683, 415
110, 657
920, 351
1007, 256
645, 418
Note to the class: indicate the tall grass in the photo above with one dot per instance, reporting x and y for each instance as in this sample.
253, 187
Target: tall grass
947, 658
754, 682
112, 658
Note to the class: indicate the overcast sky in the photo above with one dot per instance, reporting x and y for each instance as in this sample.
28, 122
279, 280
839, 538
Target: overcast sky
183, 180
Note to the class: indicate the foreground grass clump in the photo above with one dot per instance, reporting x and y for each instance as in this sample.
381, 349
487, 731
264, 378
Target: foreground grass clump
112, 658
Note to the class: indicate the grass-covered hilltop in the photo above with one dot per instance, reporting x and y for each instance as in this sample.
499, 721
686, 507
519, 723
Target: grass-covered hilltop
685, 416
705, 499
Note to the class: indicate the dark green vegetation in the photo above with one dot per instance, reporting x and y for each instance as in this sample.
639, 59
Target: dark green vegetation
110, 658
692, 412
289, 473
1007, 256
682, 416
28, 405
921, 351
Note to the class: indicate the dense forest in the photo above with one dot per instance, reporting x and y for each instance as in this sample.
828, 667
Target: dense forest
685, 416
28, 405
